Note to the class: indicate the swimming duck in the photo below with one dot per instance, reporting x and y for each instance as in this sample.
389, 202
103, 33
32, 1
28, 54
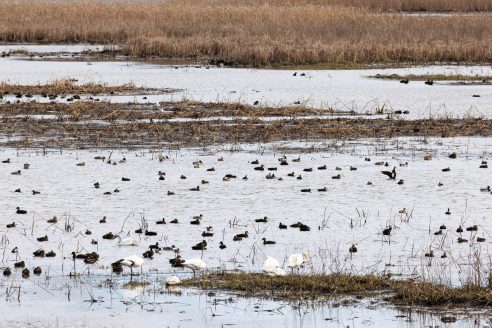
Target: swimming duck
268, 242
41, 239
391, 174
19, 211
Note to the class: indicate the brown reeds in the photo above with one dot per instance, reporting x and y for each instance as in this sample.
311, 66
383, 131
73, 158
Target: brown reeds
261, 32
69, 86
85, 124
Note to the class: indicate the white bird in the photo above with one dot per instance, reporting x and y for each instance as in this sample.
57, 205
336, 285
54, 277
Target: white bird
195, 264
132, 261
296, 261
172, 281
272, 268
127, 241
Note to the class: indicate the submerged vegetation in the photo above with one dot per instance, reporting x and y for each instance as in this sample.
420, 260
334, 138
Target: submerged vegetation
262, 32
408, 292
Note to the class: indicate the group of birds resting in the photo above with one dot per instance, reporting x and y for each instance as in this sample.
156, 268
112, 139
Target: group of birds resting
271, 265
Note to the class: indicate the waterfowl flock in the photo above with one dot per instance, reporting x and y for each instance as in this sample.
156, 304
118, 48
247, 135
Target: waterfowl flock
280, 212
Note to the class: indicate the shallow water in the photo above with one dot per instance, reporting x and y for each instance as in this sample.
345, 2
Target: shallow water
350, 212
336, 89
69, 305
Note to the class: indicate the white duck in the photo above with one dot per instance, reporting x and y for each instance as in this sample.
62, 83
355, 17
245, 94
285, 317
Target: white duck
127, 241
298, 260
271, 267
195, 264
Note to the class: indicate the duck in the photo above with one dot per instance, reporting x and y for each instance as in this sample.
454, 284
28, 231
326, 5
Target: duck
262, 220
259, 168
472, 228
462, 240
11, 225
19, 264
353, 249
292, 174
18, 172
429, 82
306, 190
18, 190
195, 222
309, 169
387, 231
448, 212
201, 246
53, 220
38, 253
35, 192
97, 185
19, 211
109, 235
282, 226
243, 235
209, 232
150, 233
155, 247
205, 182
103, 220
197, 188
149, 254
195, 265
222, 245
430, 254
485, 189
177, 262
50, 254
26, 273
6, 161
323, 167
459, 230
245, 177
7, 272
304, 227
336, 177
391, 174
480, 239
170, 193
41, 239
447, 169
271, 267
127, 241
174, 221
37, 271
324, 189
162, 221
268, 242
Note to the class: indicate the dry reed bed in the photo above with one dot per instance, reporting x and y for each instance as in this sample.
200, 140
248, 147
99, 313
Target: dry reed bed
407, 292
270, 33
485, 79
100, 134
69, 86
169, 110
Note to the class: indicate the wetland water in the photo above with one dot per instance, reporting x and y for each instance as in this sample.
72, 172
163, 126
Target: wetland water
337, 89
350, 211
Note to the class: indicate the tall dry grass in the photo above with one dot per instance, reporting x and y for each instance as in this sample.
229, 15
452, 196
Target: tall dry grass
297, 32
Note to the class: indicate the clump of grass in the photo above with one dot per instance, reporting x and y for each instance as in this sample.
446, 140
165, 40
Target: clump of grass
290, 285
434, 77
70, 86
345, 33
406, 292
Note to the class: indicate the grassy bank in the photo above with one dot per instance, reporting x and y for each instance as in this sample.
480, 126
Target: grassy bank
261, 32
408, 292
